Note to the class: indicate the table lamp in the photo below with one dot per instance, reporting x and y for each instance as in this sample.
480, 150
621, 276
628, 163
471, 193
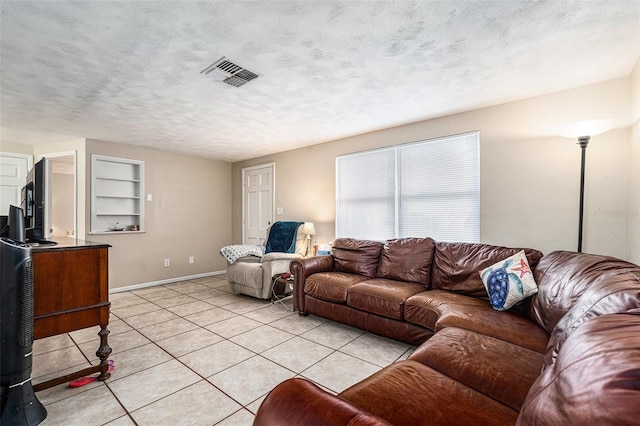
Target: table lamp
308, 229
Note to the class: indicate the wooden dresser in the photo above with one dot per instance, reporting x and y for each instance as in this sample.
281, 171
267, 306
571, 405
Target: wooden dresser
71, 292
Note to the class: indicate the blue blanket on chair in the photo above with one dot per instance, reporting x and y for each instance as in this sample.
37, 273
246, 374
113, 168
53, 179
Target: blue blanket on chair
282, 237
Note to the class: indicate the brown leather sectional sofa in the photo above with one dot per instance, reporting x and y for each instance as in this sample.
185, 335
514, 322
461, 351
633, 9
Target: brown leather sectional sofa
570, 354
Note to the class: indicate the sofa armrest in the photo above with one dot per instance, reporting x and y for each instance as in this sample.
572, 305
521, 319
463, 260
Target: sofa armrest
275, 263
301, 269
275, 255
300, 402
246, 259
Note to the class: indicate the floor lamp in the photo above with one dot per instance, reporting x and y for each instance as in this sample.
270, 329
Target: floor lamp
583, 141
579, 130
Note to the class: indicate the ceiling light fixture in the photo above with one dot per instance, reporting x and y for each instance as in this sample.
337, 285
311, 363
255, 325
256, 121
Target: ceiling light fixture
225, 70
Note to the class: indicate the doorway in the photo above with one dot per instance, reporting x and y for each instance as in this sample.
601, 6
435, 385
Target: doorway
61, 215
257, 202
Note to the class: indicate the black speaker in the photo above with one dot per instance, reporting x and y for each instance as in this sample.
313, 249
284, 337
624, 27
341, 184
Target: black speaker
18, 403
14, 226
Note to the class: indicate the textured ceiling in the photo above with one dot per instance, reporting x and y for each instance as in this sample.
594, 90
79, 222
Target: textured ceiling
129, 71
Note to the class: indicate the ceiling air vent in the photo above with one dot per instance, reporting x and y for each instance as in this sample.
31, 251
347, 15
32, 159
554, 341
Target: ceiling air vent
227, 71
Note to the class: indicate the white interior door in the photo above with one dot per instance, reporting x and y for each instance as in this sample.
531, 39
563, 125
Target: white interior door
258, 184
13, 175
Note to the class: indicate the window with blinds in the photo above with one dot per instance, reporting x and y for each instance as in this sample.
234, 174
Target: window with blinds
424, 189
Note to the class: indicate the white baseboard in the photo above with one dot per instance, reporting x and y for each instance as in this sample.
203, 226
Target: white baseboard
167, 281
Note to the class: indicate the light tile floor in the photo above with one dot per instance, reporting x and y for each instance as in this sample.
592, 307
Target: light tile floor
194, 353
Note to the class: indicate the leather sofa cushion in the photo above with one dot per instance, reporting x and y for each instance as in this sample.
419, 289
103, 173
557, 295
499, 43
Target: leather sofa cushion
407, 259
498, 369
372, 323
426, 307
610, 292
331, 286
457, 266
438, 309
382, 297
305, 403
410, 393
356, 256
594, 380
564, 276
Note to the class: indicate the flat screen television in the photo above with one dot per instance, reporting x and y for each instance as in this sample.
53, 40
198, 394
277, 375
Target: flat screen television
33, 202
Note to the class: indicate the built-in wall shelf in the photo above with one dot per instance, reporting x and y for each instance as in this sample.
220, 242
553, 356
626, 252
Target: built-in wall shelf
117, 188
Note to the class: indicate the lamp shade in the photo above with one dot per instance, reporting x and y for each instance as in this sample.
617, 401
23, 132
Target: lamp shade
308, 229
586, 128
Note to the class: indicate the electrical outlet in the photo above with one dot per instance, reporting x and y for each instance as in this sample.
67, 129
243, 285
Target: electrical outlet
191, 259
167, 262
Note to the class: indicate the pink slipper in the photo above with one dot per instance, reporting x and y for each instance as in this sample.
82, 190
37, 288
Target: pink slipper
88, 379
81, 381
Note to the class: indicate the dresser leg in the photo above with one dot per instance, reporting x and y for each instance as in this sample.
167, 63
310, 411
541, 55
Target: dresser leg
103, 353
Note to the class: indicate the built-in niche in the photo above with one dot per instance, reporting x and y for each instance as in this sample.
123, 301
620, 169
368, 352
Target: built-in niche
117, 190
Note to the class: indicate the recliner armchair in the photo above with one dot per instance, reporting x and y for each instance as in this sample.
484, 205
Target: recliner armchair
252, 275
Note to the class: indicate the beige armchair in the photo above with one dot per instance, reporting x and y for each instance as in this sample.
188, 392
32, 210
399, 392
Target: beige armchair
252, 275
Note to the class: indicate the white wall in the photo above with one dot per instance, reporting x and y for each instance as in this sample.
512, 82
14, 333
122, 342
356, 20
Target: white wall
529, 176
15, 148
190, 215
62, 208
633, 210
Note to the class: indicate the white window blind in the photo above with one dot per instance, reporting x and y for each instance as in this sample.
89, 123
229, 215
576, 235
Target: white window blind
423, 189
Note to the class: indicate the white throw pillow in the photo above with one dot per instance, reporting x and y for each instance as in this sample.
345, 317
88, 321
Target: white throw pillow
509, 281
